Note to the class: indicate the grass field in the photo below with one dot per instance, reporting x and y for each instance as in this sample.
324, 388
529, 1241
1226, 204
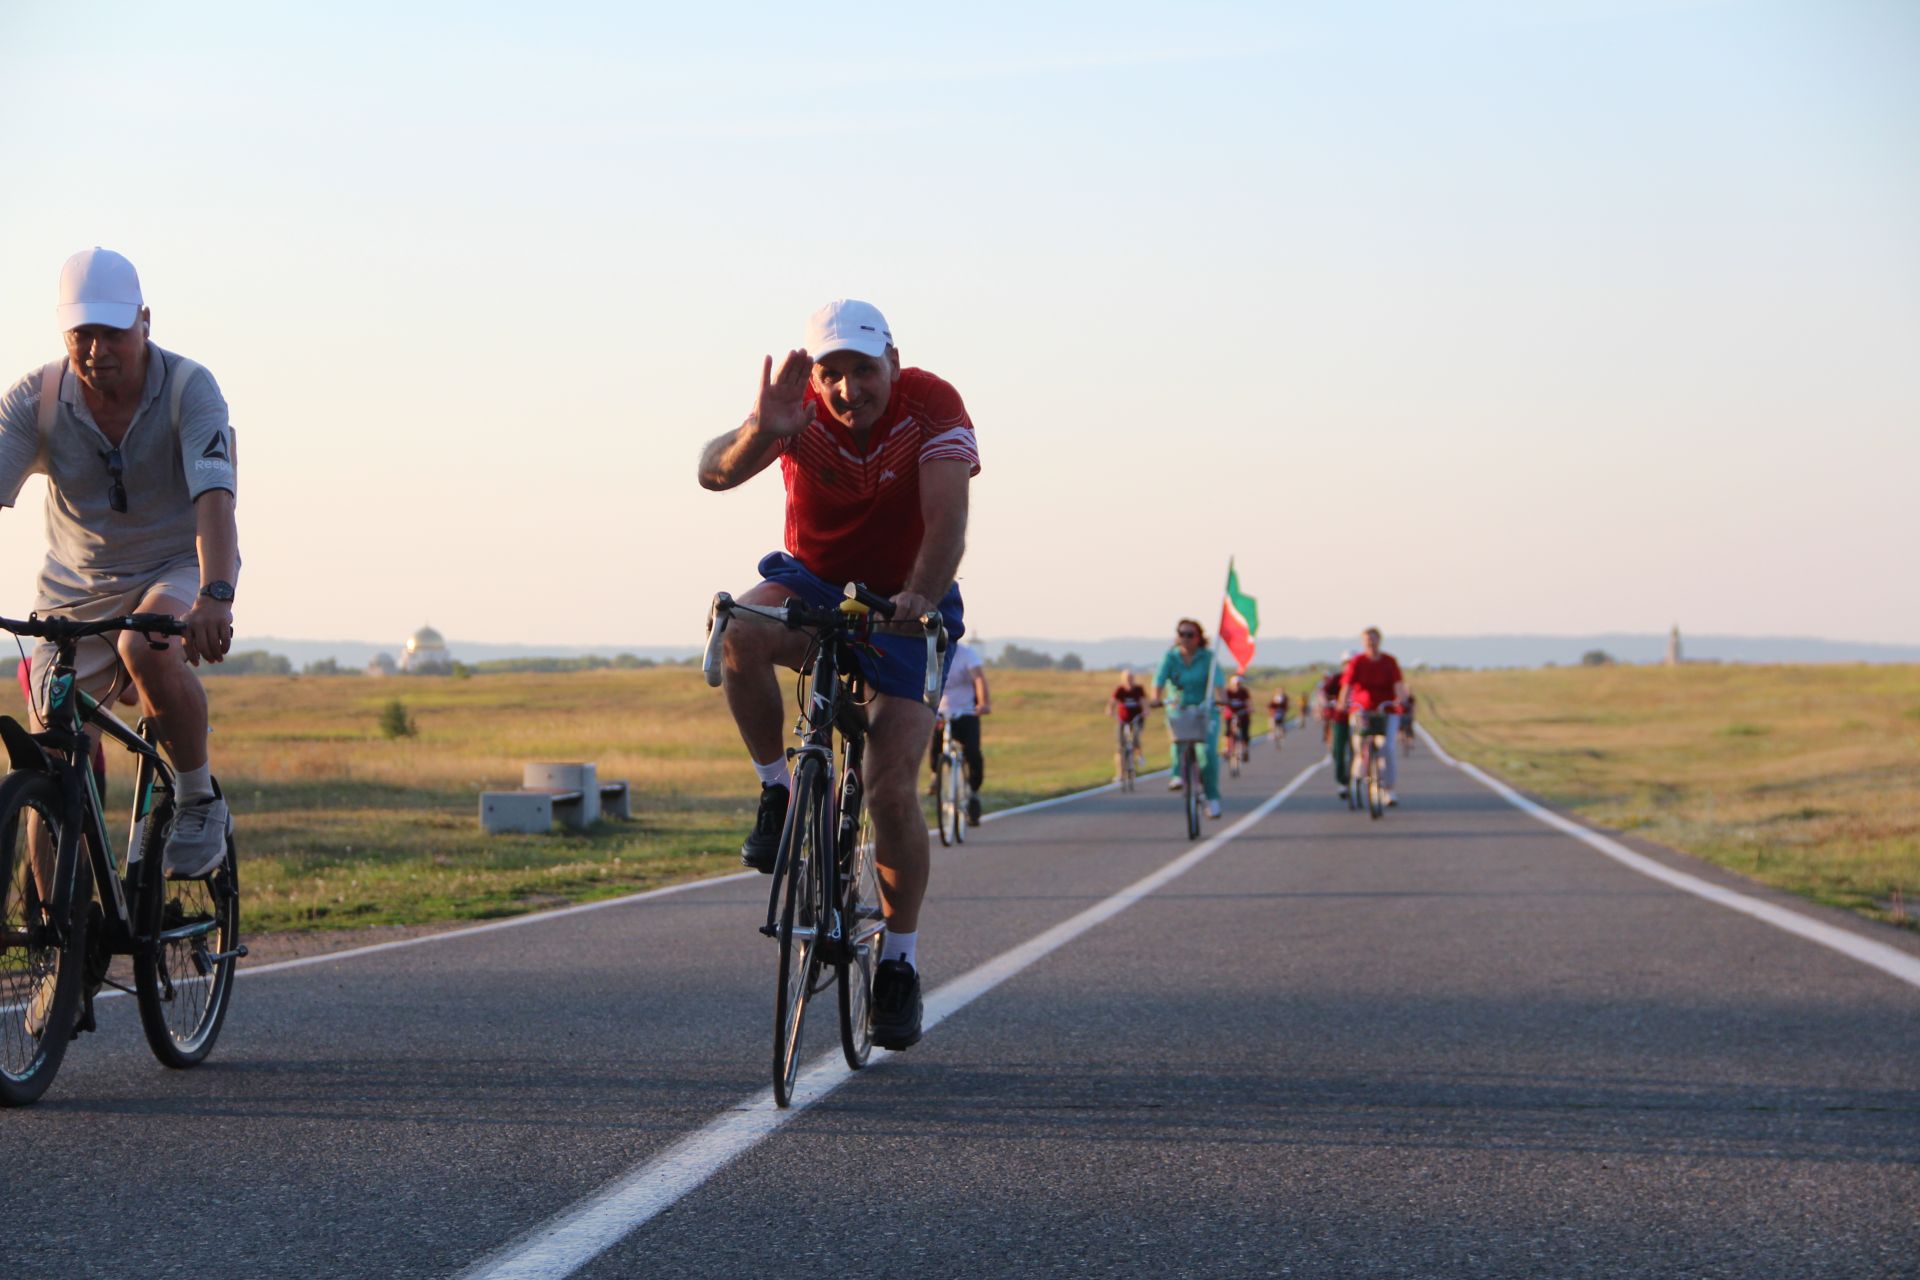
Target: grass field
1804, 777
341, 826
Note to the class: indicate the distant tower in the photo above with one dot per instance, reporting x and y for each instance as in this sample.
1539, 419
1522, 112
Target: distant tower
426, 654
1673, 647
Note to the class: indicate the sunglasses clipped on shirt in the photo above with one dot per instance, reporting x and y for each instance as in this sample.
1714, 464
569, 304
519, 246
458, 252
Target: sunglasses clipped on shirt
117, 477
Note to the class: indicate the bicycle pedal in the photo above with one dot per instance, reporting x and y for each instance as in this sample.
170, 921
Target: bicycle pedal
769, 931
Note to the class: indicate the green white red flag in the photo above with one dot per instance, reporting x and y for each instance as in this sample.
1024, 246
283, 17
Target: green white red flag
1239, 620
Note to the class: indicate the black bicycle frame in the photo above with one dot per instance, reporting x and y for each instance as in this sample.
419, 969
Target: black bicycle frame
64, 750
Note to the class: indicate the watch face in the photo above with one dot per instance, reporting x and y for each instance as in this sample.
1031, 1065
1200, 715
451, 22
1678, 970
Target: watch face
221, 591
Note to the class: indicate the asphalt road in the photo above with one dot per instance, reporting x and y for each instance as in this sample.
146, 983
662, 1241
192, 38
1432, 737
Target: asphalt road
1449, 1043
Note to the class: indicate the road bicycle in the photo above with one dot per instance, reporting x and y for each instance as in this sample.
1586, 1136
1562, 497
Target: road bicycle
1279, 731
952, 790
66, 909
1189, 727
1127, 749
823, 907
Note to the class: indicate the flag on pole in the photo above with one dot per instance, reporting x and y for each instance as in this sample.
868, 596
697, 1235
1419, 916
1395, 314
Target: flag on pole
1239, 620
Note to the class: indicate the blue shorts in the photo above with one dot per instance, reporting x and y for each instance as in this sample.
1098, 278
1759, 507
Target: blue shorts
899, 668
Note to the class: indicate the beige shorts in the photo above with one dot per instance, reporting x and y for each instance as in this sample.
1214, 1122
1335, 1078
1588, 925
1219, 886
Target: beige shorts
97, 667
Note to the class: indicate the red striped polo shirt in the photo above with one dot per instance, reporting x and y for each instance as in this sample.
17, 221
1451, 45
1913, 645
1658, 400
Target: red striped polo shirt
854, 515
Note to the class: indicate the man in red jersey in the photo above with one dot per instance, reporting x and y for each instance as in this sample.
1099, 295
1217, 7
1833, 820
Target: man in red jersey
1372, 686
1128, 705
877, 460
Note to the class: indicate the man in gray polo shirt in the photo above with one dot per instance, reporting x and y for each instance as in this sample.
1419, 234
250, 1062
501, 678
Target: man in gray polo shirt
138, 455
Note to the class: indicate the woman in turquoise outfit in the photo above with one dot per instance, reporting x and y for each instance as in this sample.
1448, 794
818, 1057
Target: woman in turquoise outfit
1186, 677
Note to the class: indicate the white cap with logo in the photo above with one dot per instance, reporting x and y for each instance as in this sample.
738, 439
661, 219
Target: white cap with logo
847, 325
98, 286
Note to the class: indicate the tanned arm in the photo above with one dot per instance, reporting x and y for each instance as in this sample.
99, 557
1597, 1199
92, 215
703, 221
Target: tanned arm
744, 452
217, 538
943, 511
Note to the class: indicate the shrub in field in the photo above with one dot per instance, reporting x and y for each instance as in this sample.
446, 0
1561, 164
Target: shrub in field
1596, 658
395, 722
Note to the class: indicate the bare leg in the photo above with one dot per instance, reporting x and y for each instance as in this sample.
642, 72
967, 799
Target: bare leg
170, 690
752, 647
901, 728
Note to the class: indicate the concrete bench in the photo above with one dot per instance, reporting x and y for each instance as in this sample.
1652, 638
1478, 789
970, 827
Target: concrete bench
571, 793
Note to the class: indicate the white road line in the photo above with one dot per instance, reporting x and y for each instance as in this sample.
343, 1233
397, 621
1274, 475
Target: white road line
569, 1241
1887, 959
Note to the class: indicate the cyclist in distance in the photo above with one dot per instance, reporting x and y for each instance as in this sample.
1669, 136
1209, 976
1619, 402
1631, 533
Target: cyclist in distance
1188, 672
139, 459
1277, 707
1334, 732
1406, 722
963, 701
877, 458
1372, 684
1127, 704
1236, 700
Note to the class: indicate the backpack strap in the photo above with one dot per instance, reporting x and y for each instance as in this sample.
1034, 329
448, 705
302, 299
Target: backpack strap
181, 371
49, 397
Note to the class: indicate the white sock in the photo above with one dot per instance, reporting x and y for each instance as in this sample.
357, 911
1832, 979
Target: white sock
193, 784
774, 774
899, 946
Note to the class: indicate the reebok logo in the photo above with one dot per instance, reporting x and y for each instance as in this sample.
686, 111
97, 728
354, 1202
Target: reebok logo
216, 447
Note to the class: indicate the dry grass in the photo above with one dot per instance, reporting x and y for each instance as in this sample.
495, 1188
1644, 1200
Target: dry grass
1804, 777
340, 825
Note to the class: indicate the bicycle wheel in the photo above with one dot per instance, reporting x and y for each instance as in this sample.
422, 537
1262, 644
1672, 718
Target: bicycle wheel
865, 928
802, 846
942, 801
40, 972
1233, 755
1356, 779
1374, 806
957, 785
1190, 777
183, 978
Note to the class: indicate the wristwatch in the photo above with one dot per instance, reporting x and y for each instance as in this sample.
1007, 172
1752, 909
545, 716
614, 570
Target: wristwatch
219, 590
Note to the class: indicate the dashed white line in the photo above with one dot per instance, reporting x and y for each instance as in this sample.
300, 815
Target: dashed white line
569, 1241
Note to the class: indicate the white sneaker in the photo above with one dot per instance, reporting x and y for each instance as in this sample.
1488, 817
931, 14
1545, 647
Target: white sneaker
198, 839
1387, 796
41, 1005
1173, 784
1213, 808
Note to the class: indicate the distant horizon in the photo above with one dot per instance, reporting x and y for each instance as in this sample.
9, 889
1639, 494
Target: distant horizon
1517, 648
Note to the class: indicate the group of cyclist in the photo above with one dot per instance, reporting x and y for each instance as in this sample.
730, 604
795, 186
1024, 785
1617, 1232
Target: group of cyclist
876, 457
1367, 693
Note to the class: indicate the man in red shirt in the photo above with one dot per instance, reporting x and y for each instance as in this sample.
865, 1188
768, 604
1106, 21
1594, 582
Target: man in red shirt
877, 461
1372, 685
1128, 705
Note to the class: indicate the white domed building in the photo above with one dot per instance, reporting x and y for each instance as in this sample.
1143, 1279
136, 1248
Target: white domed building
426, 654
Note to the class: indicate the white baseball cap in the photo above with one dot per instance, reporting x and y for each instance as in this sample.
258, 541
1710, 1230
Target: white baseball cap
98, 286
847, 325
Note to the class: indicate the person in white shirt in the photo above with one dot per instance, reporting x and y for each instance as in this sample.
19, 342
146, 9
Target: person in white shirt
963, 701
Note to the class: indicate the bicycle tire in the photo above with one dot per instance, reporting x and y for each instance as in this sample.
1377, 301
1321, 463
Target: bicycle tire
865, 928
1356, 780
1374, 806
1125, 772
1233, 755
31, 952
183, 984
802, 845
957, 771
1190, 776
941, 768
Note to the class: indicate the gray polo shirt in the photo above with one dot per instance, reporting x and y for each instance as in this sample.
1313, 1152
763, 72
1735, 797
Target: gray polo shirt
91, 548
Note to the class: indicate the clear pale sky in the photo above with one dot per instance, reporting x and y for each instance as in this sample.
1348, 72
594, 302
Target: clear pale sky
1458, 318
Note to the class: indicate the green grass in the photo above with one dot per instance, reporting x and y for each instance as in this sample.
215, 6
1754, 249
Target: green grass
1804, 777
341, 825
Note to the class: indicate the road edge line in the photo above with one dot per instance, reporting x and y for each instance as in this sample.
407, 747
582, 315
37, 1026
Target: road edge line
1878, 955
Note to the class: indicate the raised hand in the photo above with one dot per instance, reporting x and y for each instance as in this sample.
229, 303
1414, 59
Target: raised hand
782, 410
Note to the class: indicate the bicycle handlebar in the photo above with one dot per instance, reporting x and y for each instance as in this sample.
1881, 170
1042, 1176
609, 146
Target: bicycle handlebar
58, 629
798, 615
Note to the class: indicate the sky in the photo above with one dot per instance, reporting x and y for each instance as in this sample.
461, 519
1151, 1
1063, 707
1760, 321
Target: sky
1452, 318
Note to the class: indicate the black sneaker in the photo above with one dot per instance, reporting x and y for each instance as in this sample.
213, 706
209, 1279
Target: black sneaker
896, 1005
973, 811
763, 846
